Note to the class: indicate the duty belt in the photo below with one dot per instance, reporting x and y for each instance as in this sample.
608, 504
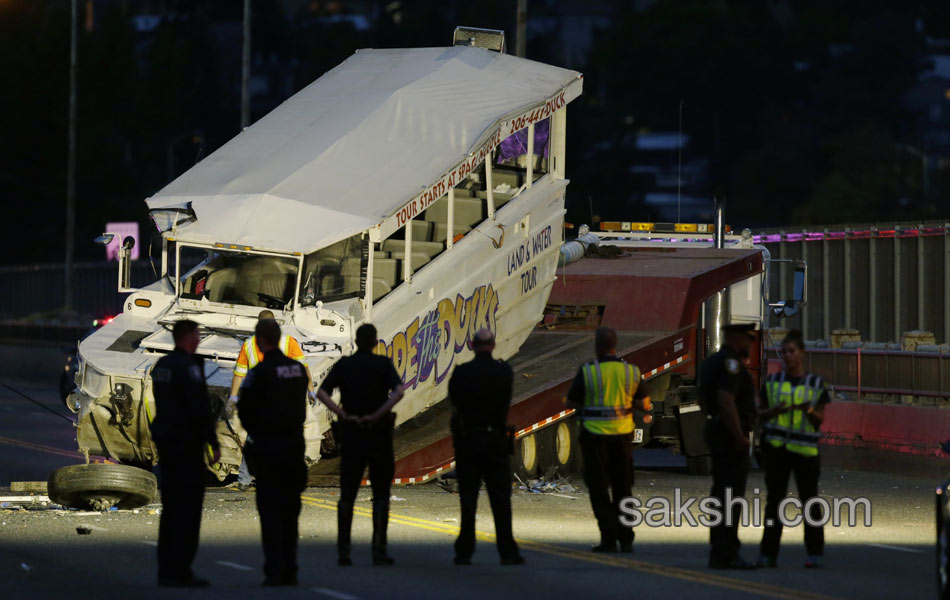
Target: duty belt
604, 413
808, 438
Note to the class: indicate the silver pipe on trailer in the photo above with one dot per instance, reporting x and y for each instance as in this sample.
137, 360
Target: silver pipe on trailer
715, 307
576, 249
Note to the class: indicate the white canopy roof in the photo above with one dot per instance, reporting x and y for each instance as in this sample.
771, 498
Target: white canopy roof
355, 146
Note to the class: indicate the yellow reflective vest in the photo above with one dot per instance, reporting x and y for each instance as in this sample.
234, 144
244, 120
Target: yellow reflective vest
793, 429
250, 354
609, 388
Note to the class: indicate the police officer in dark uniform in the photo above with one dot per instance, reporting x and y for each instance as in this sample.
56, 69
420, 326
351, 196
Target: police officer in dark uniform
727, 393
369, 388
182, 430
480, 393
272, 408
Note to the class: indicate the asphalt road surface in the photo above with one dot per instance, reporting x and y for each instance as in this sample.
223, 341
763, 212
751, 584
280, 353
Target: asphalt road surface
42, 556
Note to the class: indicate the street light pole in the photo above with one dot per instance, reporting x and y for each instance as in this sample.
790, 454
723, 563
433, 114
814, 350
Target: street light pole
522, 25
246, 68
71, 165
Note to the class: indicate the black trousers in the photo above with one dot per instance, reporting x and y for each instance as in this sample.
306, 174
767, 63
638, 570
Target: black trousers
281, 475
779, 464
482, 455
608, 475
363, 447
181, 483
730, 470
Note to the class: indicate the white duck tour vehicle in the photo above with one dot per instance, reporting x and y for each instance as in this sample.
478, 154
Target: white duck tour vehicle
421, 190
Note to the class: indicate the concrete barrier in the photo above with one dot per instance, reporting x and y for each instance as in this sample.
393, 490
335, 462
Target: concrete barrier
905, 429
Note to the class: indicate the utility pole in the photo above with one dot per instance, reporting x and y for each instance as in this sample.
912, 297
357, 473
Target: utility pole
522, 25
246, 68
71, 165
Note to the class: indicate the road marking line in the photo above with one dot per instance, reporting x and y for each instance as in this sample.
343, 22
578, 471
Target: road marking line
898, 548
333, 593
232, 565
700, 577
150, 543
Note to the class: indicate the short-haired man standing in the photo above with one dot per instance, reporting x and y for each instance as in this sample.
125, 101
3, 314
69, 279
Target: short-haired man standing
273, 407
183, 427
369, 388
604, 392
480, 393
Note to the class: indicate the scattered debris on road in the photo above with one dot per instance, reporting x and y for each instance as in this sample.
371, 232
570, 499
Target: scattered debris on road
9, 501
36, 487
554, 488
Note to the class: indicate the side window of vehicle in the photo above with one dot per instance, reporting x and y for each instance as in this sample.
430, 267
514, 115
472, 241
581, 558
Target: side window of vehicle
431, 230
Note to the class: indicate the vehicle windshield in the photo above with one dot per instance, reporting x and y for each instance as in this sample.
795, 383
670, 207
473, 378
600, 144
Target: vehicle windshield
335, 272
230, 277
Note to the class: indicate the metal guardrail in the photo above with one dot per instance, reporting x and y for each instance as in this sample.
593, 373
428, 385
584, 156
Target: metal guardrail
880, 278
37, 289
885, 375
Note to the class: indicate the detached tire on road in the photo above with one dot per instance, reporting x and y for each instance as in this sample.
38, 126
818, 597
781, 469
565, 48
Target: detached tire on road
101, 486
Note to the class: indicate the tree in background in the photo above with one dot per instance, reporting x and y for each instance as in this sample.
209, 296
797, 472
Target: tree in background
797, 105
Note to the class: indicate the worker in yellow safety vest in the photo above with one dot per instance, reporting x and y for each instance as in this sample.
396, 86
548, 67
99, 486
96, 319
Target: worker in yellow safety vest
793, 409
604, 392
248, 358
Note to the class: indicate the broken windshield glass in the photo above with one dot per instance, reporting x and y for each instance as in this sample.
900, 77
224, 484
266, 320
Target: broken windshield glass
238, 277
335, 272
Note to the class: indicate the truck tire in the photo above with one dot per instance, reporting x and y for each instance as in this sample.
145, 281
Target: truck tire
102, 486
526, 458
699, 465
560, 447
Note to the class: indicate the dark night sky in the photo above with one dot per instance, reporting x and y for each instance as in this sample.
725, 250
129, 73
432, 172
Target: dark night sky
801, 110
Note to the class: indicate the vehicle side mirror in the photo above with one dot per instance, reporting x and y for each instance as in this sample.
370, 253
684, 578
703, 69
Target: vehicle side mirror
789, 307
798, 286
125, 258
125, 264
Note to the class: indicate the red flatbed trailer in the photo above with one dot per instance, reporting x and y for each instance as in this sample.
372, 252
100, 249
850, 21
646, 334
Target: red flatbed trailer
653, 297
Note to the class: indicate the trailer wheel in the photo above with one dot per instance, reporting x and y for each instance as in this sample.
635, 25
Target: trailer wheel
102, 486
560, 446
525, 460
699, 465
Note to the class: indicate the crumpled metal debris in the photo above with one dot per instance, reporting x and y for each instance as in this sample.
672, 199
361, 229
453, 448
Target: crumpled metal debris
540, 486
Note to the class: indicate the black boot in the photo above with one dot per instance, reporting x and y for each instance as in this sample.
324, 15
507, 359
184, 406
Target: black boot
380, 523
344, 523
